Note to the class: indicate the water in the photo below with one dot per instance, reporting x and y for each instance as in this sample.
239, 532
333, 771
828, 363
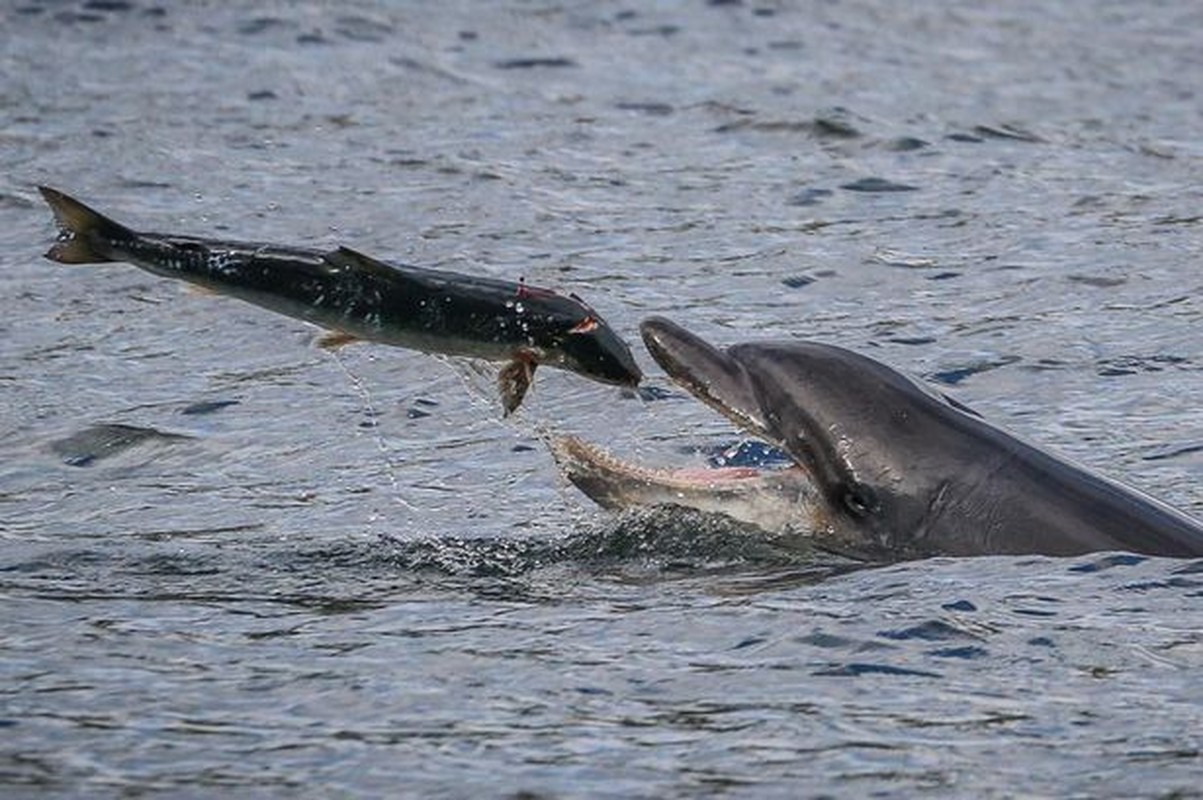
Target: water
347, 576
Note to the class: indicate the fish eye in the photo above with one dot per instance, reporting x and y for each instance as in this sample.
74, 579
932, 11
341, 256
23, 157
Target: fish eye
860, 500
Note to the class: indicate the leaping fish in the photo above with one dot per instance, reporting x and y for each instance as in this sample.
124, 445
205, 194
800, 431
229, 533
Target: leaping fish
356, 297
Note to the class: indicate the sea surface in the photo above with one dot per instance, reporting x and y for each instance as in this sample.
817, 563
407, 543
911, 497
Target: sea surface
233, 564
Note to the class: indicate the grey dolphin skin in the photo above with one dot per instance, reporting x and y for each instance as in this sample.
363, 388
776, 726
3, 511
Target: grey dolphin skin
357, 297
895, 470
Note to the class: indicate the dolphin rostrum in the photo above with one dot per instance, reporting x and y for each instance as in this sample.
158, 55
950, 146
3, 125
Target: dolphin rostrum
886, 469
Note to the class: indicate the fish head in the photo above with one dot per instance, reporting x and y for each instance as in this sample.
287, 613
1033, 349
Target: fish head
585, 343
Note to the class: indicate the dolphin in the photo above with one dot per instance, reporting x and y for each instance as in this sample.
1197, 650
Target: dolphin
885, 469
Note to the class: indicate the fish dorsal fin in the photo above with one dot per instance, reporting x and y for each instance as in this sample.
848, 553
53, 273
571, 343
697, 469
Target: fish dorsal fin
347, 258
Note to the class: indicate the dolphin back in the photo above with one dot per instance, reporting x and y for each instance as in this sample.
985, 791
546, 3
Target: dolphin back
1038, 502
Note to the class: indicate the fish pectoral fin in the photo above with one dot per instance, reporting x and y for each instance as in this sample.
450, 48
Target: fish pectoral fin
332, 340
514, 379
345, 257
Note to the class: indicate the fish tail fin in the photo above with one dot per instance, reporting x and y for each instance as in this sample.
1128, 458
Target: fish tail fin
83, 231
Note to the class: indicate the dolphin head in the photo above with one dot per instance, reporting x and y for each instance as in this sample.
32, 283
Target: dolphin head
863, 433
845, 419
884, 467
874, 442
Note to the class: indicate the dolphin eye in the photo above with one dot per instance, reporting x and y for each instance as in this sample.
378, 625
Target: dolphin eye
860, 500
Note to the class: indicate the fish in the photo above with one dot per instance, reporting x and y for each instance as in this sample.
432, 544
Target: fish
356, 297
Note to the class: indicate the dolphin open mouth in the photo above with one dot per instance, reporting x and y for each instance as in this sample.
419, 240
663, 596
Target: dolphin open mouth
778, 500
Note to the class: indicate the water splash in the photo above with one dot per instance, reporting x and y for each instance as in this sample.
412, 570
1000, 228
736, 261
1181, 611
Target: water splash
388, 460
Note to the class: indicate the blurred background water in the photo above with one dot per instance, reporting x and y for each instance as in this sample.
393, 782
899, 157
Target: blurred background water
346, 575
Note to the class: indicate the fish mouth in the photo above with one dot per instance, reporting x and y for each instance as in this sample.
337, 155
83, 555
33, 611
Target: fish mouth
779, 501
598, 352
